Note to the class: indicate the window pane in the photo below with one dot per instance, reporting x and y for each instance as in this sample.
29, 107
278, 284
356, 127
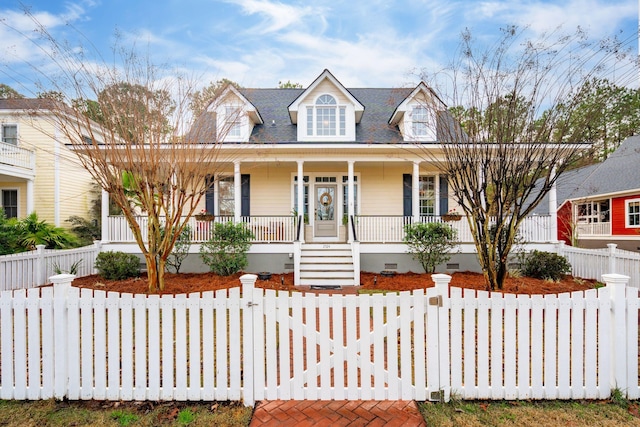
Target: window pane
10, 134
10, 203
226, 191
233, 117
633, 212
345, 199
309, 121
419, 121
343, 127
326, 100
326, 121
427, 195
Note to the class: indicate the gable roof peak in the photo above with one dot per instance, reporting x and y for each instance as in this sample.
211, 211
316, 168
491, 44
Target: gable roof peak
325, 75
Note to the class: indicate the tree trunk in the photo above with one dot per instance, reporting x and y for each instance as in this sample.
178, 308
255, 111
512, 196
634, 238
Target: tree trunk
155, 274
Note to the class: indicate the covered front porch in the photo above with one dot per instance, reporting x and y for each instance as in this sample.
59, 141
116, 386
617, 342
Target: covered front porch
346, 214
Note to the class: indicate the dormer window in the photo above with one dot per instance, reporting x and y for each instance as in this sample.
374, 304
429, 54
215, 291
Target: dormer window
233, 121
326, 117
419, 117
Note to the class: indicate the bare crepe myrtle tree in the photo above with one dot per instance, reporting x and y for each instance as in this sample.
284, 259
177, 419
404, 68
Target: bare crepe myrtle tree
509, 103
130, 124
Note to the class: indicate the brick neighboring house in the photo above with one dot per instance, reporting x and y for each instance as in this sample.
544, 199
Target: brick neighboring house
600, 203
38, 171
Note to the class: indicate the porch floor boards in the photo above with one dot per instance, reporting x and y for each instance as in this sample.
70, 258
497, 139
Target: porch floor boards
301, 413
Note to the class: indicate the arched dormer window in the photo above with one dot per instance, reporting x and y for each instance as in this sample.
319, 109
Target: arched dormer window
326, 117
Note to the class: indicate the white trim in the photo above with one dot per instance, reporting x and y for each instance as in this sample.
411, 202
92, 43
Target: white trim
17, 125
17, 190
339, 194
626, 213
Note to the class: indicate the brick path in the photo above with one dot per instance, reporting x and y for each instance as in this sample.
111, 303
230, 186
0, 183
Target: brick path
317, 413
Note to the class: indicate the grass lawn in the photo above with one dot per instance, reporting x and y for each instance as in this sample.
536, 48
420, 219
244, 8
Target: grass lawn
616, 412
103, 413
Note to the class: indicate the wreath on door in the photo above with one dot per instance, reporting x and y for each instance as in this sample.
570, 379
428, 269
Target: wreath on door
326, 199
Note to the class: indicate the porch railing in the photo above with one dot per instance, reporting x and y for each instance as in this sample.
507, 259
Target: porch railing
16, 156
390, 229
266, 229
368, 228
594, 229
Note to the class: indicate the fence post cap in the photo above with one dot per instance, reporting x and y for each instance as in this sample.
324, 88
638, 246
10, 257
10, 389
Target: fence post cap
614, 278
441, 279
61, 279
248, 280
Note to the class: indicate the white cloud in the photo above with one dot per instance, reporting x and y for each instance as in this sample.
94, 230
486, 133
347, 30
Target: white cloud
276, 15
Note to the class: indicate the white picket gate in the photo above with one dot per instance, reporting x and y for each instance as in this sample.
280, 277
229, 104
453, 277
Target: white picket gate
63, 342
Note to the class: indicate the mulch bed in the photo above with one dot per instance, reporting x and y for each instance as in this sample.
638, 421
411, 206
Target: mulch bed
201, 282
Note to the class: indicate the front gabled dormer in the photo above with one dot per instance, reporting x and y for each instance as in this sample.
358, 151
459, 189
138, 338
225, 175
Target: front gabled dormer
235, 115
417, 114
326, 111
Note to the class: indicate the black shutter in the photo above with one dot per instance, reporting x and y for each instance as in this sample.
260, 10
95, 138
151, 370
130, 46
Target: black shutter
245, 207
444, 195
406, 194
209, 196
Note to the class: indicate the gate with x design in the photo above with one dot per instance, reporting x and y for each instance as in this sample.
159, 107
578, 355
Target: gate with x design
342, 347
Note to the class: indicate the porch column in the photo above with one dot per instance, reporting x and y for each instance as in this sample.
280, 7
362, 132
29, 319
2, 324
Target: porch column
104, 217
300, 195
351, 202
237, 192
553, 209
30, 205
415, 192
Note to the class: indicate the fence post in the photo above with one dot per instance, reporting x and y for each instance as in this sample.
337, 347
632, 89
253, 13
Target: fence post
61, 286
612, 257
248, 283
560, 247
616, 283
98, 247
40, 265
444, 375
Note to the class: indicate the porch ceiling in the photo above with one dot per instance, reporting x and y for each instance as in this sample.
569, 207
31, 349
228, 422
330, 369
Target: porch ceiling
307, 152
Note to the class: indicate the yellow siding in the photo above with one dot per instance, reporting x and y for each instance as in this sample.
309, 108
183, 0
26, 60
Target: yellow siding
74, 182
326, 87
271, 189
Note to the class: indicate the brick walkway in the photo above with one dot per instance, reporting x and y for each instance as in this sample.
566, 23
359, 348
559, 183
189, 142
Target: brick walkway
317, 413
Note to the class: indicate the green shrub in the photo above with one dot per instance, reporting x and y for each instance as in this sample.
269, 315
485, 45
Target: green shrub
546, 265
430, 243
180, 249
226, 251
117, 265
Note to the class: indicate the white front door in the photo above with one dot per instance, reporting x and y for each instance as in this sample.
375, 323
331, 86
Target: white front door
325, 223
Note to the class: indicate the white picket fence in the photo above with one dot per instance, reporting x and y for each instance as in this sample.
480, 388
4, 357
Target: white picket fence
30, 269
63, 342
593, 263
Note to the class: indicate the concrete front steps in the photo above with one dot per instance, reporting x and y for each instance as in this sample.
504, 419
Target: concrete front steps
326, 264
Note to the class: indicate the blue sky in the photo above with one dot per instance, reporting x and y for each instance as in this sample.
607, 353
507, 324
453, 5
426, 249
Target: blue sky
371, 43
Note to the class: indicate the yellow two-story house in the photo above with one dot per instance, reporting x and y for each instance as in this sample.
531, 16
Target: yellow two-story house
38, 171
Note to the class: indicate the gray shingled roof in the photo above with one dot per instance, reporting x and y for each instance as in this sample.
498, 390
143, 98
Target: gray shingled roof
272, 104
620, 172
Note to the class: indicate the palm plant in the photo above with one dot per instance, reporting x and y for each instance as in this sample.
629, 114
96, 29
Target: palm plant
33, 232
